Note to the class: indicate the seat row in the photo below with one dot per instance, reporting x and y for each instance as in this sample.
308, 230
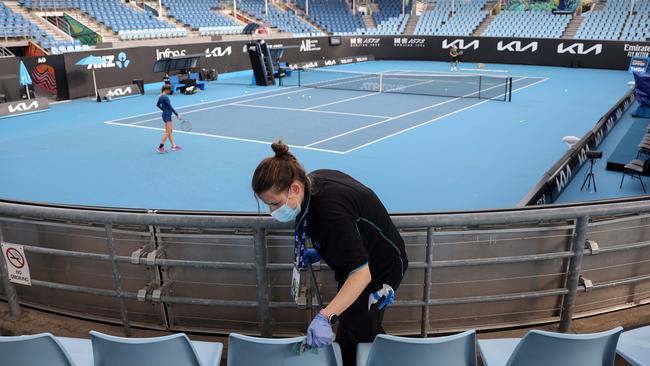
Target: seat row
536, 348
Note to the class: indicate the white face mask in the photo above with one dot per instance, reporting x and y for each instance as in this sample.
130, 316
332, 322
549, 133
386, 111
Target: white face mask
285, 213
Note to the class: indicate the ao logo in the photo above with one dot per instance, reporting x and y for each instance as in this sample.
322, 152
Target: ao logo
579, 49
42, 60
459, 43
23, 107
122, 62
218, 52
309, 45
516, 46
563, 179
118, 92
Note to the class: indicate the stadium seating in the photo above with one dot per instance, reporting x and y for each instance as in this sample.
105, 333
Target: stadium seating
174, 349
634, 346
637, 26
335, 16
37, 349
541, 348
119, 17
467, 17
605, 24
246, 351
528, 24
201, 15
458, 349
284, 21
389, 17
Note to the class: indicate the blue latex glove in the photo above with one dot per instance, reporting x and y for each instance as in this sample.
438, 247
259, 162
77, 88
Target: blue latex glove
311, 256
320, 332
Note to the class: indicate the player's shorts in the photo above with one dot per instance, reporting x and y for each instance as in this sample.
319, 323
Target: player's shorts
167, 117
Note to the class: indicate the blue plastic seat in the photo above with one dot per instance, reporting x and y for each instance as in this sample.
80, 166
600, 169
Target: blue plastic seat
37, 349
175, 349
541, 348
458, 349
246, 351
634, 346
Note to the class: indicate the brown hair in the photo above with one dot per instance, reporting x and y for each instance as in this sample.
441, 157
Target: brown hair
165, 88
279, 171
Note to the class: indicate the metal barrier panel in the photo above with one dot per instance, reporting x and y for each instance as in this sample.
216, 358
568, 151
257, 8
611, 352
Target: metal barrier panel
82, 272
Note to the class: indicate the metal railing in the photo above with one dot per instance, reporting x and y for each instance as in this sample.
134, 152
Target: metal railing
230, 272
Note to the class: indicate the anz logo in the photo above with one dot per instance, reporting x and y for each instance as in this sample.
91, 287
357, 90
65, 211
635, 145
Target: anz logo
517, 46
218, 52
579, 49
119, 92
23, 107
121, 62
563, 179
460, 44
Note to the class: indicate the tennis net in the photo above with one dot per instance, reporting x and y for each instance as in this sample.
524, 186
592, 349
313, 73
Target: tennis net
442, 85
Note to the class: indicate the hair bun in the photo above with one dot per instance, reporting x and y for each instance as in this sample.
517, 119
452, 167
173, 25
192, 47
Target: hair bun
280, 149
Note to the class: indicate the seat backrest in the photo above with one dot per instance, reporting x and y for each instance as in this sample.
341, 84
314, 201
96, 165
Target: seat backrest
174, 79
246, 351
541, 348
646, 167
458, 349
37, 349
174, 349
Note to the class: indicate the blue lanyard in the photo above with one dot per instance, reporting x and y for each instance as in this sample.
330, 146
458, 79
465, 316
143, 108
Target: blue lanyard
299, 238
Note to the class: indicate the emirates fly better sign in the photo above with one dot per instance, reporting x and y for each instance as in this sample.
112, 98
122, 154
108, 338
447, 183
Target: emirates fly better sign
17, 266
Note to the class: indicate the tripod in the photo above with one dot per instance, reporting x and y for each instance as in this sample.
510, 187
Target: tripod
590, 177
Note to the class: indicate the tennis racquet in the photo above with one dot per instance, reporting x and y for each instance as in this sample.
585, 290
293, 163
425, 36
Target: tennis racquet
185, 125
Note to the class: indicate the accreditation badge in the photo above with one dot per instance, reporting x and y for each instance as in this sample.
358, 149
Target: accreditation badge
295, 285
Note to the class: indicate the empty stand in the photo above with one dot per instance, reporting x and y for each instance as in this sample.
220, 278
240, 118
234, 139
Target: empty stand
458, 19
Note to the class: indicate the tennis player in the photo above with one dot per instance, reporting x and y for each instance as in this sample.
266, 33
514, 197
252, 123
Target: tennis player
454, 53
351, 230
165, 106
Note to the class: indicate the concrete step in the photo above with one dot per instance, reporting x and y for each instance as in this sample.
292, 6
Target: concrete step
369, 21
572, 28
410, 26
484, 25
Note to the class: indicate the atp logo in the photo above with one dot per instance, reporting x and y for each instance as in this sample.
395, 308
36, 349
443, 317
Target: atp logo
122, 62
23, 107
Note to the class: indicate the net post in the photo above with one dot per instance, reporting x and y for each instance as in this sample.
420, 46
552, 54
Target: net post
480, 83
510, 89
381, 82
299, 73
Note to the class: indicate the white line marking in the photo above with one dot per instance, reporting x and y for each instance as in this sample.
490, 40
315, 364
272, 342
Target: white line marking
204, 103
398, 116
435, 119
222, 137
305, 110
342, 101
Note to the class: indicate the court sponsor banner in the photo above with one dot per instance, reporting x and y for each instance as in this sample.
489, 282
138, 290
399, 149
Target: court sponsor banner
48, 75
17, 108
17, 266
117, 92
330, 62
558, 178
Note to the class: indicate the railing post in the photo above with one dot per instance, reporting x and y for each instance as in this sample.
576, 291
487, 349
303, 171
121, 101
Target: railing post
118, 280
426, 295
573, 276
8, 287
262, 277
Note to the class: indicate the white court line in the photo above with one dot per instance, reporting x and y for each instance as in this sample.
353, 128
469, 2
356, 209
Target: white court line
435, 119
400, 116
210, 102
305, 110
222, 137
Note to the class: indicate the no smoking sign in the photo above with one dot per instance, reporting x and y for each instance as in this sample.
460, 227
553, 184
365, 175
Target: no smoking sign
17, 266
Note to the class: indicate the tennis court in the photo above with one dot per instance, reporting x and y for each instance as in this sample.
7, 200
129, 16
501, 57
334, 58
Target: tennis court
418, 152
340, 111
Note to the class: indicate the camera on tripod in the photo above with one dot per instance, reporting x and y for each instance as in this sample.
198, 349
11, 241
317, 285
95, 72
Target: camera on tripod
592, 155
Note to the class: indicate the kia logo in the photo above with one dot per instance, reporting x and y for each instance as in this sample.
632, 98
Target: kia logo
119, 92
516, 46
23, 107
218, 52
579, 49
460, 44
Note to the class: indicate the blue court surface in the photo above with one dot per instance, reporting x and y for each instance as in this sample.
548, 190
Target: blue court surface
418, 152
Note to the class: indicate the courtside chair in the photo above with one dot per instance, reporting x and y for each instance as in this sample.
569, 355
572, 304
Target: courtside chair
634, 346
37, 349
252, 351
172, 350
386, 350
541, 348
636, 169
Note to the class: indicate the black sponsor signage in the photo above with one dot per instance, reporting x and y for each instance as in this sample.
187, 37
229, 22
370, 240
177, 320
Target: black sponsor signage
558, 178
117, 92
330, 62
48, 75
17, 108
